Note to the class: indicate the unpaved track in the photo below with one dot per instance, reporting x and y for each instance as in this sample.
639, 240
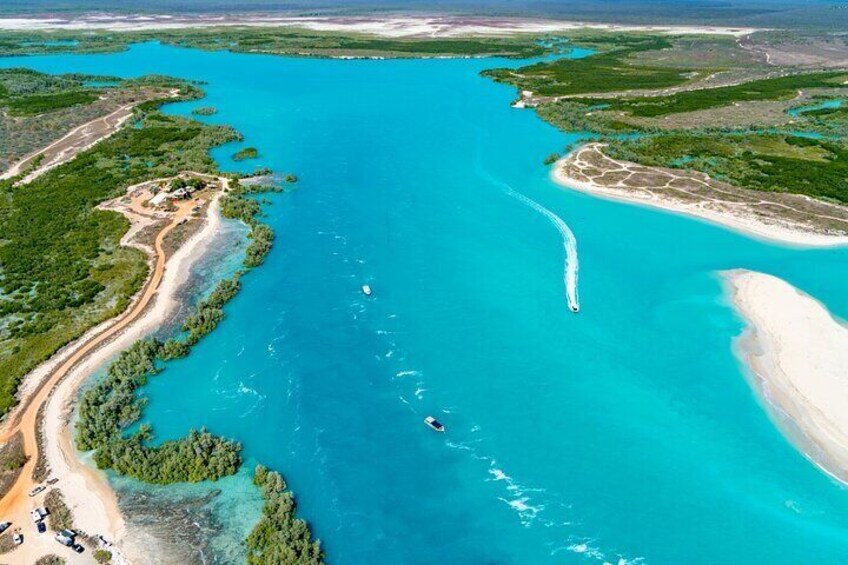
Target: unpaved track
77, 140
16, 505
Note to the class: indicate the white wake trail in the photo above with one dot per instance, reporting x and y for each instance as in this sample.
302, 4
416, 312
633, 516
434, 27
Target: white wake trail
569, 243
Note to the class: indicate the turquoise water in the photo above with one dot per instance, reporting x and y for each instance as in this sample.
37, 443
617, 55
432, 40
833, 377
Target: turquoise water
624, 434
827, 104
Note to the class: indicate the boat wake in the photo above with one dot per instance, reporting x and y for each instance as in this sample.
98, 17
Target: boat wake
569, 243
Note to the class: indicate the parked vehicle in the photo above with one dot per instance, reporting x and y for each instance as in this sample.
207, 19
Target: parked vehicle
37, 490
4, 526
42, 527
66, 537
18, 539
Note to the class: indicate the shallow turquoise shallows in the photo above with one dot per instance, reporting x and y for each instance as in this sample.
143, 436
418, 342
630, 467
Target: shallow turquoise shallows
626, 433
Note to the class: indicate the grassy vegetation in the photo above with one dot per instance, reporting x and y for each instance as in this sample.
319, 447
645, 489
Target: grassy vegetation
24, 92
62, 267
698, 128
279, 537
35, 106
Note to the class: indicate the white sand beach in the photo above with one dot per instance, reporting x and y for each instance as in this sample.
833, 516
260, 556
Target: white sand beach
797, 353
743, 217
93, 504
87, 492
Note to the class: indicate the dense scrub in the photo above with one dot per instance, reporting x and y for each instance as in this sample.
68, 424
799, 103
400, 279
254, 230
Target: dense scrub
279, 538
779, 88
60, 517
50, 560
41, 103
608, 71
12, 459
62, 267
246, 153
238, 205
268, 40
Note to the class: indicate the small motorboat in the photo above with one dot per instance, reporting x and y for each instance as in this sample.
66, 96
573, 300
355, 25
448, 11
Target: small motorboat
575, 308
434, 424
366, 290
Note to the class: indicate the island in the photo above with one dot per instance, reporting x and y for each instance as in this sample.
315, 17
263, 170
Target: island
797, 354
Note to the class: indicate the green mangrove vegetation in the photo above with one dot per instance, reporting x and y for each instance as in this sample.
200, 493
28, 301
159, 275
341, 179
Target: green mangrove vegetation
277, 40
237, 204
699, 104
280, 538
205, 111
777, 88
246, 153
608, 71
63, 268
109, 407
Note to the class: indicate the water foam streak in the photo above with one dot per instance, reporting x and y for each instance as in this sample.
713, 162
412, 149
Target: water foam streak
569, 243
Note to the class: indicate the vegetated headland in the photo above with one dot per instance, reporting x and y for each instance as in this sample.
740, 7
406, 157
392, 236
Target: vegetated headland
705, 126
85, 250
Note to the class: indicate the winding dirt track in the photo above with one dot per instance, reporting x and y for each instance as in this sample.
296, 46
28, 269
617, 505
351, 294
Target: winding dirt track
15, 506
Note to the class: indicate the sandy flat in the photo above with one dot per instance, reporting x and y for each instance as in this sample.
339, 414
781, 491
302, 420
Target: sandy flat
388, 26
797, 353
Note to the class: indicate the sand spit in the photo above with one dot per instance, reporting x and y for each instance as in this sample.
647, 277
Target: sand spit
797, 353
783, 218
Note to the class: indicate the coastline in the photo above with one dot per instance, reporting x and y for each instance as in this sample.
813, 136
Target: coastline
796, 353
735, 219
62, 457
87, 493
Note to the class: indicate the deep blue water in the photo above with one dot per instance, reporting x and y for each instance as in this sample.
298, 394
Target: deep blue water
624, 434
